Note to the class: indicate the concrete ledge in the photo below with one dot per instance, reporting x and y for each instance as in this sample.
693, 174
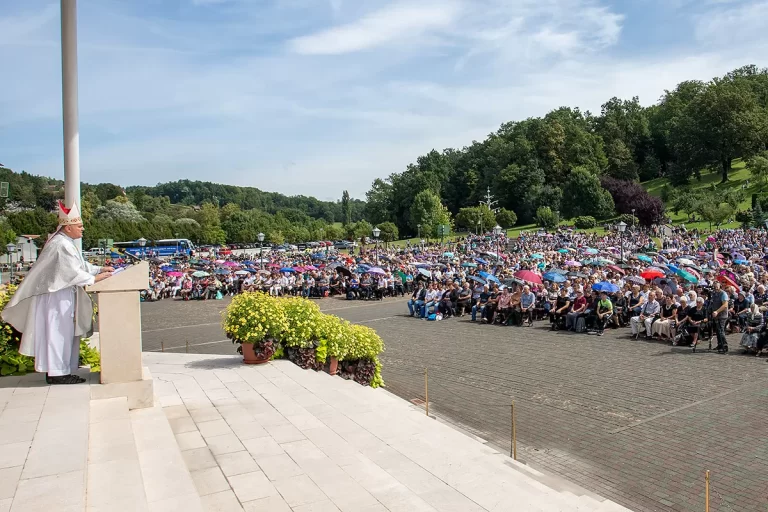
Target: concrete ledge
140, 393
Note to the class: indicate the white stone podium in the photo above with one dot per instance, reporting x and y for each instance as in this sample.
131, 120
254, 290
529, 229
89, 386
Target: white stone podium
122, 373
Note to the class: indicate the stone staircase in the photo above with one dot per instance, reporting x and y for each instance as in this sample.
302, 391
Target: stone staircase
224, 437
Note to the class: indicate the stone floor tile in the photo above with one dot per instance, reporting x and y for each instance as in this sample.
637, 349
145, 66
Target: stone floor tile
62, 493
228, 443
9, 479
209, 481
5, 505
50, 454
299, 490
262, 447
175, 411
320, 506
225, 501
108, 409
252, 486
182, 425
17, 432
199, 458
116, 485
111, 440
165, 474
201, 415
278, 467
236, 463
270, 504
284, 433
250, 430
213, 428
20, 415
190, 440
186, 503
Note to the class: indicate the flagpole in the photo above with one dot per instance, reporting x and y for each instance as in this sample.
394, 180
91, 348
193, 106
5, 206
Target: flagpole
69, 105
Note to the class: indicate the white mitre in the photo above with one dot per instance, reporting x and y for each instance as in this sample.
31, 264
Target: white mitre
69, 216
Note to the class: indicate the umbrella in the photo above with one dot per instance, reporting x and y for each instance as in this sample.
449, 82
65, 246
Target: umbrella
554, 277
651, 273
577, 274
242, 273
200, 273
475, 278
636, 280
447, 255
470, 265
537, 256
287, 269
425, 272
481, 260
558, 271
528, 276
740, 262
615, 269
644, 258
343, 270
166, 268
738, 255
687, 276
692, 270
376, 270
221, 272
572, 263
231, 264
727, 281
730, 275
562, 251
590, 250
490, 277
605, 286
685, 261
175, 274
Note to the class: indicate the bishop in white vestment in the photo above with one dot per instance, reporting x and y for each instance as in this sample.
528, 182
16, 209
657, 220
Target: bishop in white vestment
51, 308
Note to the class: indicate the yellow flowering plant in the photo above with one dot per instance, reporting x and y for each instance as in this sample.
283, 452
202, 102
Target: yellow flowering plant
337, 335
304, 319
11, 362
253, 317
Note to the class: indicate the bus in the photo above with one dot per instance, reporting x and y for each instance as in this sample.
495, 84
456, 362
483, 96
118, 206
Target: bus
169, 247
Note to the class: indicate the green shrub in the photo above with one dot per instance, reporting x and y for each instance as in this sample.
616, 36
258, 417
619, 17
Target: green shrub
254, 316
585, 222
11, 362
338, 335
366, 344
89, 356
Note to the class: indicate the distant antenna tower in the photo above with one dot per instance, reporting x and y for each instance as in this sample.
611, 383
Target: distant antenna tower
489, 201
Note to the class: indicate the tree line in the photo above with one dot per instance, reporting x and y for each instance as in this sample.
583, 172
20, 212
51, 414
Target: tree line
561, 161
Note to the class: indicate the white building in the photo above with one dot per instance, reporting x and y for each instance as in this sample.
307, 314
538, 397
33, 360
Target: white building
25, 248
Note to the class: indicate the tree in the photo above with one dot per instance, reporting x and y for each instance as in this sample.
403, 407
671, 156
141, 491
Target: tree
333, 232
546, 218
716, 214
630, 196
276, 237
758, 167
586, 197
118, 210
428, 211
389, 232
476, 217
378, 207
506, 218
210, 225
346, 211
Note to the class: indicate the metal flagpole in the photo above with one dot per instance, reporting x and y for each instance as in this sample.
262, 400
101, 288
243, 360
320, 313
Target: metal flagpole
69, 105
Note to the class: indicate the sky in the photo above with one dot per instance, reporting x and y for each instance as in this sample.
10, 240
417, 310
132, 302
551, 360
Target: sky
313, 97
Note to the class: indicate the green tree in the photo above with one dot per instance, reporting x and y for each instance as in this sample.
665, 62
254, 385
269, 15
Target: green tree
476, 216
546, 218
276, 237
506, 218
586, 197
379, 201
758, 167
346, 211
122, 210
333, 232
428, 211
210, 225
389, 232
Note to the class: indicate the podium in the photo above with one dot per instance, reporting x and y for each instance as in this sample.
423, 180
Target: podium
122, 373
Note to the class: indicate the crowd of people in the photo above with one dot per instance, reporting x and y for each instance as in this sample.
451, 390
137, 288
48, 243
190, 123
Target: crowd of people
686, 289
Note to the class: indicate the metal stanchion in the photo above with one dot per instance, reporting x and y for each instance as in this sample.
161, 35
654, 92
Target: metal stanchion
513, 447
706, 491
162, 346
187, 347
426, 390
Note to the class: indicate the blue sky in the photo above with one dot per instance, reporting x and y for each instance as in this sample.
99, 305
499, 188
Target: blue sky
316, 96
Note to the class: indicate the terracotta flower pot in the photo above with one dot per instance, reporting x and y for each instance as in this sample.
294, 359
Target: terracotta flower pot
250, 357
334, 368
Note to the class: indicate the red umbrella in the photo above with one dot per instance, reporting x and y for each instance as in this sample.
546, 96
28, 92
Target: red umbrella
727, 281
693, 271
616, 269
528, 276
651, 273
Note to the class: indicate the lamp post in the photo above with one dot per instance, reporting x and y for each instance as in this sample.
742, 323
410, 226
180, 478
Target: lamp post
11, 248
260, 236
419, 226
142, 243
622, 227
376, 233
633, 219
766, 223
477, 231
496, 232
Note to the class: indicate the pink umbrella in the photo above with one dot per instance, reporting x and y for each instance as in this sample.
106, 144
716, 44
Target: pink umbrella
528, 276
174, 274
310, 267
219, 261
572, 263
231, 264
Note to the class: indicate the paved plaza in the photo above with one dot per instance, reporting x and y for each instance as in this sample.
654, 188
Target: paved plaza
637, 422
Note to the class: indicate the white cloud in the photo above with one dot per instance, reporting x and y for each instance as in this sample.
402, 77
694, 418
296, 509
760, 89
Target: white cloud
395, 22
733, 23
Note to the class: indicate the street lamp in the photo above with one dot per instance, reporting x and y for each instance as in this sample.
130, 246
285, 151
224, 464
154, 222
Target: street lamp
142, 243
11, 248
419, 226
478, 228
633, 219
376, 233
496, 232
622, 227
260, 236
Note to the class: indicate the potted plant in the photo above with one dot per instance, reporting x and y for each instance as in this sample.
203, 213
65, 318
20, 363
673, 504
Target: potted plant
255, 321
301, 338
361, 359
337, 336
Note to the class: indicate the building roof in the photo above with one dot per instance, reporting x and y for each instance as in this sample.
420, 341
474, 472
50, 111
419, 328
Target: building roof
31, 237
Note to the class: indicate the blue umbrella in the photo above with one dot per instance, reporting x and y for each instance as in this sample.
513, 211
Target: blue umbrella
537, 256
470, 265
554, 277
589, 250
448, 254
221, 271
740, 262
475, 278
425, 272
286, 269
562, 251
481, 260
605, 286
643, 257
490, 277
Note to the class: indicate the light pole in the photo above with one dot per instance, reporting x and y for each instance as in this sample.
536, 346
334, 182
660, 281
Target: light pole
622, 227
633, 219
477, 231
766, 223
419, 226
142, 243
260, 236
11, 248
496, 232
376, 233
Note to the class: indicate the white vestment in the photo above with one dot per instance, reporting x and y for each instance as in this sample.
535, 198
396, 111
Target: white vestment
51, 308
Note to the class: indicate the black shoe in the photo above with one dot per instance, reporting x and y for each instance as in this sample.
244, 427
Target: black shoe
64, 379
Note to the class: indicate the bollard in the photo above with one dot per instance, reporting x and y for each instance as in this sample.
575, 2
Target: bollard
187, 347
706, 491
513, 447
162, 346
426, 390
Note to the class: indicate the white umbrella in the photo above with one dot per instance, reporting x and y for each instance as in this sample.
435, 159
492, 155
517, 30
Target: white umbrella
685, 261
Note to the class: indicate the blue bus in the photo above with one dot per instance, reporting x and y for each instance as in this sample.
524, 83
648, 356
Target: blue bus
169, 247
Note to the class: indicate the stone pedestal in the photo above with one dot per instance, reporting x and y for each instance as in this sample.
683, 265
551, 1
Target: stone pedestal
120, 338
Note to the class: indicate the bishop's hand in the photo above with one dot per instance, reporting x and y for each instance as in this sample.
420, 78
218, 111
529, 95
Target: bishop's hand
103, 276
107, 269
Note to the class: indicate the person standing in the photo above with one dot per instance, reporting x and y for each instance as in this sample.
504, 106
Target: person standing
719, 304
51, 308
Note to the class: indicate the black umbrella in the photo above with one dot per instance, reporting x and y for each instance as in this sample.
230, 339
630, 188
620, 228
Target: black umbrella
344, 270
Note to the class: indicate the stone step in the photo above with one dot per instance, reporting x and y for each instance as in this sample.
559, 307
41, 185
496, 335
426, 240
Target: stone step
115, 480
168, 485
